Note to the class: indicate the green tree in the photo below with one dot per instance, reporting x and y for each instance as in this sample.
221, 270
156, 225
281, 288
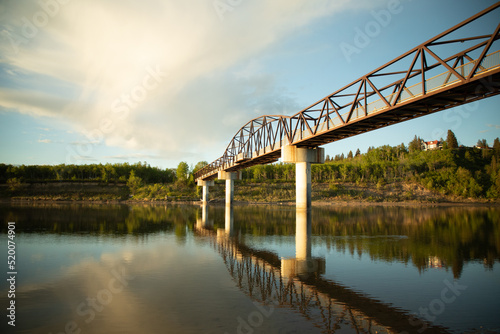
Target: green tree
349, 155
358, 153
402, 150
496, 146
199, 166
14, 184
482, 143
182, 171
134, 182
415, 145
451, 140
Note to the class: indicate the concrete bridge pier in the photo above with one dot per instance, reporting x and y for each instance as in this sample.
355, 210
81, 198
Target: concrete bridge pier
205, 185
303, 157
229, 177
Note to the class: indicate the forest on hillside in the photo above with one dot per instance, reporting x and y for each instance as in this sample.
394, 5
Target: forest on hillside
462, 171
450, 170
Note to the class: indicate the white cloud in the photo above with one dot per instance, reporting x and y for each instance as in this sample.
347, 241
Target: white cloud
133, 157
91, 53
491, 127
32, 102
45, 141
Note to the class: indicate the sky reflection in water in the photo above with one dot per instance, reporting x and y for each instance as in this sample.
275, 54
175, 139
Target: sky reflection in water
156, 269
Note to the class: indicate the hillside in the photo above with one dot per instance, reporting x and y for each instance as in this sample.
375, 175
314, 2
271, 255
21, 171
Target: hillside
383, 174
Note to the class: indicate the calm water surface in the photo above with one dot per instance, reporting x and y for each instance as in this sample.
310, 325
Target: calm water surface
252, 269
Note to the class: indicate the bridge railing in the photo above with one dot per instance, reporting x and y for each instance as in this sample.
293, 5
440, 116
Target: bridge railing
255, 138
439, 81
336, 117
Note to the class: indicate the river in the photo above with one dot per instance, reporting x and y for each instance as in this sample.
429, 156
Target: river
83, 268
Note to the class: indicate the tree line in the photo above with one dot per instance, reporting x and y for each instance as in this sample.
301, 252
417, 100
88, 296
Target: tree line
452, 170
107, 173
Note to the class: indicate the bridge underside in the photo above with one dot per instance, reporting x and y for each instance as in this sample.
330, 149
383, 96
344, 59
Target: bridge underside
481, 87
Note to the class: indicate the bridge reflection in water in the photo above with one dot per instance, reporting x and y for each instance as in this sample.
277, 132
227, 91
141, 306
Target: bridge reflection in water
297, 283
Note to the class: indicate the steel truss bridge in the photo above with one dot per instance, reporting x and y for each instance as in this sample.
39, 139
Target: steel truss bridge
453, 68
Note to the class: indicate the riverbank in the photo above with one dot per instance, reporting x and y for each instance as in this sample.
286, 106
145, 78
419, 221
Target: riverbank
317, 204
283, 193
397, 193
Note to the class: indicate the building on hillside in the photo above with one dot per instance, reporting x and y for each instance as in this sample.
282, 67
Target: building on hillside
432, 145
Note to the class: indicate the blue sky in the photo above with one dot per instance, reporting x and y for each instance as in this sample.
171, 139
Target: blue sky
100, 81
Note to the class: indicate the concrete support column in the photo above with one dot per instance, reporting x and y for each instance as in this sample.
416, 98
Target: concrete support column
303, 158
205, 185
204, 196
229, 177
303, 189
229, 191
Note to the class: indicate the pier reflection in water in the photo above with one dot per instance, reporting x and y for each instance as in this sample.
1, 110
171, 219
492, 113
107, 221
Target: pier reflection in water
209, 269
303, 264
296, 283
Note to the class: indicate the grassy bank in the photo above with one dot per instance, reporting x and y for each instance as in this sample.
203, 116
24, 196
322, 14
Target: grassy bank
97, 191
65, 191
245, 191
396, 192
